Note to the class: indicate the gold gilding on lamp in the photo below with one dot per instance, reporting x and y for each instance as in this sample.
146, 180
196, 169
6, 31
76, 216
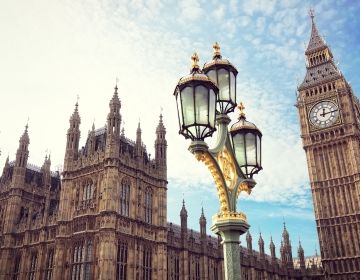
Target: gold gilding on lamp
241, 108
228, 215
227, 167
244, 187
216, 48
221, 189
194, 61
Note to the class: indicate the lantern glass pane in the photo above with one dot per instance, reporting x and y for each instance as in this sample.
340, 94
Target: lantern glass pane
212, 75
223, 76
250, 149
180, 113
212, 104
233, 87
239, 148
201, 105
187, 100
258, 150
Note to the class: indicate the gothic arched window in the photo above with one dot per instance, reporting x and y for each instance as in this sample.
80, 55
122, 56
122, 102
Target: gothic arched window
148, 205
32, 268
122, 253
125, 197
147, 264
16, 272
88, 193
49, 265
82, 260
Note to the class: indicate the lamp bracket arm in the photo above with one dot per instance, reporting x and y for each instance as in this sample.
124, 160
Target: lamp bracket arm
222, 121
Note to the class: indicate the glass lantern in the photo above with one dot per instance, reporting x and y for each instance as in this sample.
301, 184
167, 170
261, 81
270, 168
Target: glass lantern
246, 142
196, 97
223, 74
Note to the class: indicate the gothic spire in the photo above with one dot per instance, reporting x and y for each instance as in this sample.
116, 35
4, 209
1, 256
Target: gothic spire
316, 42
249, 241
183, 212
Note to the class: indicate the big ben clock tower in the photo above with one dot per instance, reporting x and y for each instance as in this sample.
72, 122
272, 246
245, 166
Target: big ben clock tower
330, 130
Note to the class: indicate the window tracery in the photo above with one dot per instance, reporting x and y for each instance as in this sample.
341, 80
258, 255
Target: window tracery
82, 261
122, 253
125, 197
148, 204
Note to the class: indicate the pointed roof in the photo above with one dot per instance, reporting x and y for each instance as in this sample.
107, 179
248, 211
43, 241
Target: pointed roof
261, 240
115, 99
285, 233
248, 235
271, 242
202, 217
25, 136
316, 42
160, 127
183, 212
300, 249
75, 115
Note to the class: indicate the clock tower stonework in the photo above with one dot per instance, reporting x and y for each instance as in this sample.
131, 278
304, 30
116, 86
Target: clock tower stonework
330, 131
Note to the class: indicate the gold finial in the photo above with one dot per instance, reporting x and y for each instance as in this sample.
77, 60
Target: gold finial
216, 48
241, 108
195, 60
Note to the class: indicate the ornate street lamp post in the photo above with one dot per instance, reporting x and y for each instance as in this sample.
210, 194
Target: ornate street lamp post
204, 99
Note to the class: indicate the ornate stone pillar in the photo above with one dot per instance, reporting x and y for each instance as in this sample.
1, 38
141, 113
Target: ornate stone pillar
230, 230
59, 259
106, 255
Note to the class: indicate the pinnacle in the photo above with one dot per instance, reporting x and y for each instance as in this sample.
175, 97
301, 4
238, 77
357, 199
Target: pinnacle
316, 41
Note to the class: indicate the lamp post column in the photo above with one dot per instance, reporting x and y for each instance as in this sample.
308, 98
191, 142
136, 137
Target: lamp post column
230, 231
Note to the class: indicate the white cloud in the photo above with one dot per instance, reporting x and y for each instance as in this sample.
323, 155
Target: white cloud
56, 50
190, 10
258, 6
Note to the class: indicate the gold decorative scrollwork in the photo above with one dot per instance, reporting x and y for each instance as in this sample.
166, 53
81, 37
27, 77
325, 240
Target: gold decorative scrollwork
229, 215
243, 187
227, 167
221, 189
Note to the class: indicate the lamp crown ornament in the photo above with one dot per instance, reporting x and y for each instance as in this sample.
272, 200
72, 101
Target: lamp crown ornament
216, 48
194, 62
241, 108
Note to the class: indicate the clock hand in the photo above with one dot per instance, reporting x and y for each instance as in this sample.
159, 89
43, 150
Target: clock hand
323, 115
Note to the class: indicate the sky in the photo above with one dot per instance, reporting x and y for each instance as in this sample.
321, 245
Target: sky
53, 51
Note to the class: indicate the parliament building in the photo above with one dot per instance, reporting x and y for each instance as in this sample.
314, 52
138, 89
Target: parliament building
105, 216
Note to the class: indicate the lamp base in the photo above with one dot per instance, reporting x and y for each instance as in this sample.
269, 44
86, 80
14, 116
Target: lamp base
198, 147
230, 231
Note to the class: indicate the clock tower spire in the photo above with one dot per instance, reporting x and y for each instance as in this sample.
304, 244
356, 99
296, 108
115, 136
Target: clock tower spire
330, 130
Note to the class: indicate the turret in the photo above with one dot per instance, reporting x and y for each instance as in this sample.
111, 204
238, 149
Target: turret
138, 143
73, 138
45, 169
183, 220
91, 141
301, 256
22, 155
272, 250
202, 222
261, 246
161, 146
249, 241
113, 126
286, 253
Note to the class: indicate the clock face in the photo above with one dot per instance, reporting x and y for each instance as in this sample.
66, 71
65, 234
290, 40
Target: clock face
324, 114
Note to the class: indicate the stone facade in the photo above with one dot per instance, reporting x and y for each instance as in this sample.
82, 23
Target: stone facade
330, 130
105, 217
